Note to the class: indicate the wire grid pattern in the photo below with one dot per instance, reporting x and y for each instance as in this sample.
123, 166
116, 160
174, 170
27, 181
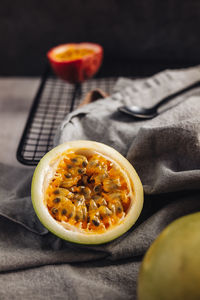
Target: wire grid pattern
55, 102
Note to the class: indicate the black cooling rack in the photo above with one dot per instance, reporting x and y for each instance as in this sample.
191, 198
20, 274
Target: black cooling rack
53, 101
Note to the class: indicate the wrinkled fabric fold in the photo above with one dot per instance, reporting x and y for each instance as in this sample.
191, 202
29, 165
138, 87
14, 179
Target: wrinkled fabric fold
165, 151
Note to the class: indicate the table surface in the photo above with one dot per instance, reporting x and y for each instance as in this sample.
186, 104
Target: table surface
16, 97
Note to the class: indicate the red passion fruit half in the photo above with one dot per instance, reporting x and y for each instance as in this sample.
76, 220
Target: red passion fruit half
75, 62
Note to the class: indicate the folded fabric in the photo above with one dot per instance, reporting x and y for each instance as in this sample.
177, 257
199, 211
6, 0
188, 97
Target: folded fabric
34, 264
164, 150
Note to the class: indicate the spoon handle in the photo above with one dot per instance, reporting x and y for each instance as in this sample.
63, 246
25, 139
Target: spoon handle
170, 97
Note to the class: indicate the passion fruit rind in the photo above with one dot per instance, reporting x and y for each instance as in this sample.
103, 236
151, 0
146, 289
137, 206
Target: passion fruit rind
170, 267
86, 192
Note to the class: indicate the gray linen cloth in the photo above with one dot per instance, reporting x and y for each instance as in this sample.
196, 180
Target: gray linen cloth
34, 264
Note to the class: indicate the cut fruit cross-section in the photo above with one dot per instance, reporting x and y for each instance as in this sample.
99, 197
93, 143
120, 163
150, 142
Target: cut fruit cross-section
86, 192
75, 63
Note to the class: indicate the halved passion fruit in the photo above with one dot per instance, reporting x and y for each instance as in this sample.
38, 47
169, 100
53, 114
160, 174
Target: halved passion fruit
76, 62
86, 192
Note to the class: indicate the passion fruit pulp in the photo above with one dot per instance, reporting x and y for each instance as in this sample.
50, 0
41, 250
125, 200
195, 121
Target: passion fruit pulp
86, 192
75, 62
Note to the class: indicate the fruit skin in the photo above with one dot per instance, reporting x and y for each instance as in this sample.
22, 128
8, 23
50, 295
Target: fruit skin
37, 194
78, 70
171, 267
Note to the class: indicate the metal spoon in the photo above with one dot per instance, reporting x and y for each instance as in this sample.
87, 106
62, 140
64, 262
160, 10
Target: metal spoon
149, 113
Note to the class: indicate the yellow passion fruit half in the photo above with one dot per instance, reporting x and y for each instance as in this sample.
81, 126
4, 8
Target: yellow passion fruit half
86, 192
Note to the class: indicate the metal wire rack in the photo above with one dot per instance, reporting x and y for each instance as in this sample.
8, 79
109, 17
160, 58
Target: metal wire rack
53, 101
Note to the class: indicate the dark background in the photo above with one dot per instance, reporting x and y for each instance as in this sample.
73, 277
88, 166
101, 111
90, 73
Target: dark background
138, 36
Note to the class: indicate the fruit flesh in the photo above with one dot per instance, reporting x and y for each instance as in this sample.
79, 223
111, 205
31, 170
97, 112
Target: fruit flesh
72, 53
88, 191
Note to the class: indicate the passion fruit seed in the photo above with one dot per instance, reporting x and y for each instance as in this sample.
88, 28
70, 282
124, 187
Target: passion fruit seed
98, 188
68, 175
87, 193
56, 192
84, 210
74, 160
96, 222
56, 200
92, 181
64, 212
54, 210
119, 209
80, 183
85, 179
77, 218
84, 164
70, 215
91, 196
81, 171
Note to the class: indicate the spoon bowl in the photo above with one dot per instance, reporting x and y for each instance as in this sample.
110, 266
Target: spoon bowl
139, 112
151, 112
